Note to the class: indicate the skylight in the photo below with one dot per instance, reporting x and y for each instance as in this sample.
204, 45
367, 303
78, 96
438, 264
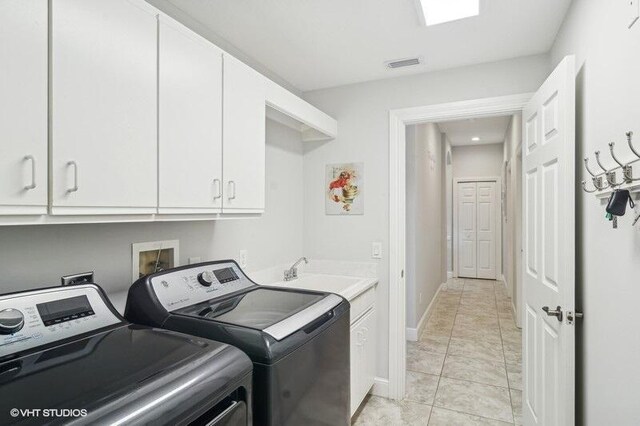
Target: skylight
441, 11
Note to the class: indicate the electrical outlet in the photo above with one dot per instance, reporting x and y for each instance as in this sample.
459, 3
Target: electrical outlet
376, 250
195, 259
242, 258
634, 11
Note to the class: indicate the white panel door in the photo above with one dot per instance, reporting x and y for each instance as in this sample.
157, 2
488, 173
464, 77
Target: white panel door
104, 107
486, 226
549, 250
190, 122
467, 231
23, 106
244, 116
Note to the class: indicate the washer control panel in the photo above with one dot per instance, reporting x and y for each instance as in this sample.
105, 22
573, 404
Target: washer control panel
39, 317
186, 287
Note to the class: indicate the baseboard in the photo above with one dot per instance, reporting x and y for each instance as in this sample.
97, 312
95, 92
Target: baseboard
449, 274
506, 286
380, 387
412, 334
515, 316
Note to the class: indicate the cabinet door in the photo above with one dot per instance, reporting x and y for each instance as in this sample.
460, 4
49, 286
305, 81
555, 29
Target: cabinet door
369, 350
363, 357
23, 106
243, 138
355, 356
190, 122
104, 107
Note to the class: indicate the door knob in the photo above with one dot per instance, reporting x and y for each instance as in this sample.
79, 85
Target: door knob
555, 313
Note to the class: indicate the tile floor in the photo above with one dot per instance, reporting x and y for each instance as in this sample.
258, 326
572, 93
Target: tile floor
466, 367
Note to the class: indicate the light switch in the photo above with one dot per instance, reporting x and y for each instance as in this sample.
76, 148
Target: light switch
242, 258
376, 250
634, 11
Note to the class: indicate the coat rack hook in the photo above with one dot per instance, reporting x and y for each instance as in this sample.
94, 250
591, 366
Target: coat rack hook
586, 166
599, 163
584, 188
629, 140
613, 155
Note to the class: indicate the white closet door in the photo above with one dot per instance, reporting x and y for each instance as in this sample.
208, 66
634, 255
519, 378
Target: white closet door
190, 148
23, 106
486, 227
467, 233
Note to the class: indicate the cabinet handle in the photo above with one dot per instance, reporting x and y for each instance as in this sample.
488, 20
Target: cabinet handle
359, 339
33, 171
232, 194
218, 189
75, 175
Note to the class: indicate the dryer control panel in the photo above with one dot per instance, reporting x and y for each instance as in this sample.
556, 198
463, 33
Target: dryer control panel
40, 317
185, 287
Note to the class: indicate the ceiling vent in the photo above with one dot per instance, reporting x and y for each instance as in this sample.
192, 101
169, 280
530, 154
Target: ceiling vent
399, 63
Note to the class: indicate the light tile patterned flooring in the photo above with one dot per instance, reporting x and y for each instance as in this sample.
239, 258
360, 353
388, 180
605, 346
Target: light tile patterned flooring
466, 367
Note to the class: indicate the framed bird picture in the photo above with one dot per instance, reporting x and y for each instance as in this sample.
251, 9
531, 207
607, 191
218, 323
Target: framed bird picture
344, 184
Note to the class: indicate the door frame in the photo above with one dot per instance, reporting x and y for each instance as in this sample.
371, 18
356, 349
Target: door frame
497, 220
398, 120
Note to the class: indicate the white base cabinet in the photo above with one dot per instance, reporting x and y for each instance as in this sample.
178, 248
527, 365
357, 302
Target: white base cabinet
363, 347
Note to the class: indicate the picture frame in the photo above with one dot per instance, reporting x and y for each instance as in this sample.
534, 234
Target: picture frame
344, 189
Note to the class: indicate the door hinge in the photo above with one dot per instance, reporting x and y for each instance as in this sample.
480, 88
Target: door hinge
571, 316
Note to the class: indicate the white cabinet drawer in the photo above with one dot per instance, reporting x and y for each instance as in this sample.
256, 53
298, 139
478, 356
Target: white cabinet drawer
360, 304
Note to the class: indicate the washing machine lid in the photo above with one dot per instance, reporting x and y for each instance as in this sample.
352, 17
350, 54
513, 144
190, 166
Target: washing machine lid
276, 312
105, 371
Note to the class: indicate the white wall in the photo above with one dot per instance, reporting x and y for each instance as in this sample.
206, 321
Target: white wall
472, 161
513, 139
477, 160
363, 113
168, 7
36, 256
448, 195
607, 260
424, 218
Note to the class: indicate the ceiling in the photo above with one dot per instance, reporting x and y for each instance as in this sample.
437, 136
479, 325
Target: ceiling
490, 130
316, 44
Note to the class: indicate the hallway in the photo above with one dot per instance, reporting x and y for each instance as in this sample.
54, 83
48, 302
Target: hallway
466, 367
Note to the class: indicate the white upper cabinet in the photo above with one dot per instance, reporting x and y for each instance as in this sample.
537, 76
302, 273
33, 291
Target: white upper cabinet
104, 107
23, 107
243, 138
190, 121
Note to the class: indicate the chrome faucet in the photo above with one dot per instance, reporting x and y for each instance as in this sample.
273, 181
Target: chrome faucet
292, 273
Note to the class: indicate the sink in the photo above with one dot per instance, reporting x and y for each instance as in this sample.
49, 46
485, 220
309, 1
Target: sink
347, 287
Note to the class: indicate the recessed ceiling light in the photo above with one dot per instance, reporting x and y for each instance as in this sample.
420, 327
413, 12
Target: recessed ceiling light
475, 139
439, 11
